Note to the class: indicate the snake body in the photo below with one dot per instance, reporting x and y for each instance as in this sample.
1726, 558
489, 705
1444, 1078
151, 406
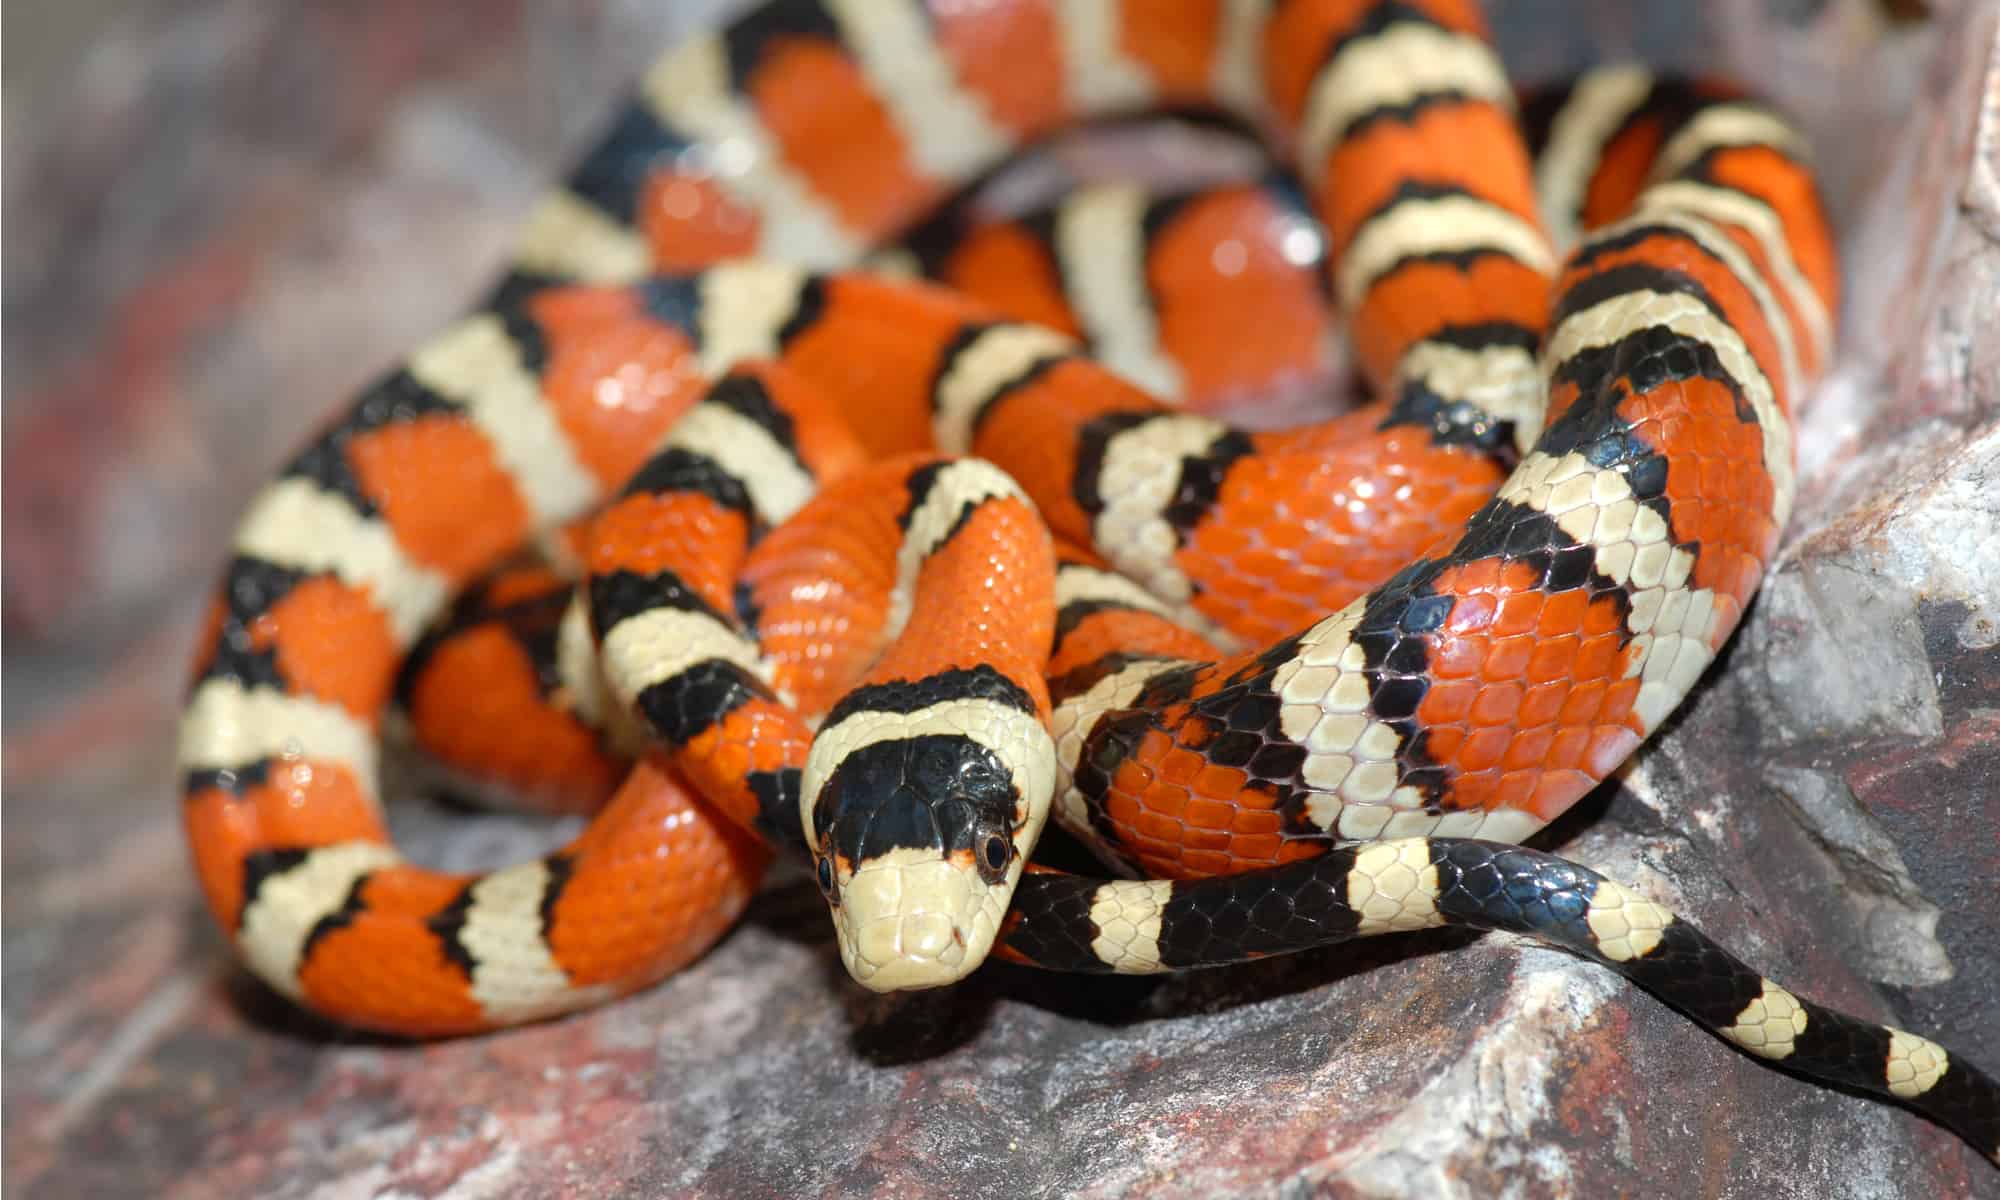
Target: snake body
882, 575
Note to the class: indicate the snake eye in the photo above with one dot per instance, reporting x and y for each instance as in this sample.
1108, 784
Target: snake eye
825, 873
994, 852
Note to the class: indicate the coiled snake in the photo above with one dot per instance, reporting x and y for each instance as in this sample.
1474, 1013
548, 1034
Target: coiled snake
887, 573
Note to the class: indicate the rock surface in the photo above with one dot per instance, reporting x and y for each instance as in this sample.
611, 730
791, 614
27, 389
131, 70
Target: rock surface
234, 214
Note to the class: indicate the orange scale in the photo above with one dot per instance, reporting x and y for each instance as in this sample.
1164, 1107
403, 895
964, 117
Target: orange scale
1623, 168
1296, 37
1293, 849
1543, 703
692, 872
1598, 656
1560, 397
307, 803
1229, 539
410, 891
1471, 790
1737, 577
1508, 658
1568, 748
1311, 492
1730, 505
1223, 858
1471, 586
1176, 44
1495, 789
1553, 792
1603, 617
1166, 799
1497, 704
1010, 56
1789, 188
1734, 589
1422, 297
331, 642
1157, 825
1563, 612
1443, 742
984, 597
1484, 747
221, 831
1263, 564
1219, 857
1716, 470
874, 351
1205, 812
762, 736
1582, 704
615, 378
1447, 701
438, 483
821, 433
1217, 780
1470, 144
819, 108
1120, 807
1194, 839
1619, 700
1695, 413
691, 220
1192, 865
1522, 790
1258, 797
387, 971
478, 705
685, 532
1603, 657
1011, 269
1180, 766
1552, 659
299, 804
1521, 605
518, 585
1286, 537
1251, 822
1458, 656
1032, 433
821, 583
1135, 772
1234, 311
1104, 632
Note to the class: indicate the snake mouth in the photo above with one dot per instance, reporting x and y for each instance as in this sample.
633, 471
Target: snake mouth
913, 918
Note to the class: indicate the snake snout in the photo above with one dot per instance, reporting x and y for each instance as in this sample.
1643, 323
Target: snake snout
914, 920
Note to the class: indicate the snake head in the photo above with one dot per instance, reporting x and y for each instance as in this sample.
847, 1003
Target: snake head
920, 823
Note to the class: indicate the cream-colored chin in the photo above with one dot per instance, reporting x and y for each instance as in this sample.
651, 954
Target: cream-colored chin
908, 919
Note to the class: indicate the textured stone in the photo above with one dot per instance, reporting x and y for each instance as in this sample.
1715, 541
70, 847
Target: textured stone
302, 190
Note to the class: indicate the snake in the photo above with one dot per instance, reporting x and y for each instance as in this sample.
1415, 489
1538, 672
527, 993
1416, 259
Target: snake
882, 572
